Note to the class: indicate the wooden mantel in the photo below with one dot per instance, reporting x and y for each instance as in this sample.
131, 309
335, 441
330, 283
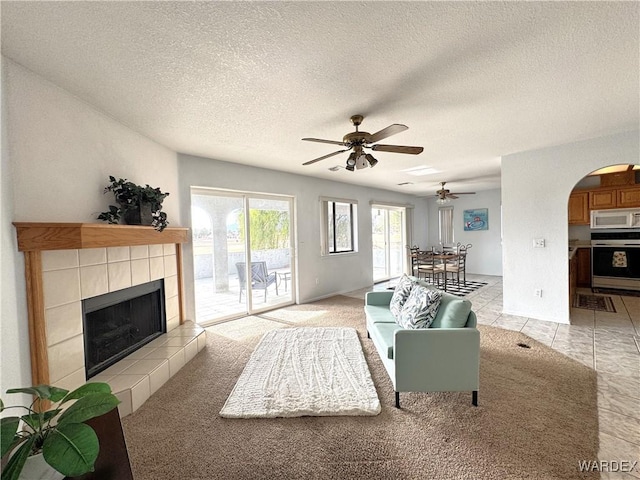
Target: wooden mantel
63, 236
34, 238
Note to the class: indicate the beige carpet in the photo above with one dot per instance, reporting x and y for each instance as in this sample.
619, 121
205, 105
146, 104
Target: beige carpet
536, 420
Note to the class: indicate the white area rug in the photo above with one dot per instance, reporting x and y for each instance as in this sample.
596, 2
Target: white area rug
295, 372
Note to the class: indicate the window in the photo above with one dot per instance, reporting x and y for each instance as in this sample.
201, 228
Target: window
339, 220
445, 220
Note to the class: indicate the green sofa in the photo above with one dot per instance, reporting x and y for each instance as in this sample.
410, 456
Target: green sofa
442, 358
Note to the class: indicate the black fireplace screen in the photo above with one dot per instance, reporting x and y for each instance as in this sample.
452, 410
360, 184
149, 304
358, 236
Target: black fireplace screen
118, 323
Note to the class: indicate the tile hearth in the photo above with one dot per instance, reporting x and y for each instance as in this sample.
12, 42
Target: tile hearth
139, 375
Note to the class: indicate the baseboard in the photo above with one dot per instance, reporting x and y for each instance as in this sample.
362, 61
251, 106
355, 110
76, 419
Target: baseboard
328, 295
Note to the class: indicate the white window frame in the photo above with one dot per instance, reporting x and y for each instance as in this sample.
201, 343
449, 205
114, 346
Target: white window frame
324, 226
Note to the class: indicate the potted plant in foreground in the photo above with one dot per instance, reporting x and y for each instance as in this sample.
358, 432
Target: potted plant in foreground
52, 435
138, 205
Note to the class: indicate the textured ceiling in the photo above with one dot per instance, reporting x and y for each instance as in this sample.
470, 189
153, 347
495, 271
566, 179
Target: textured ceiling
245, 81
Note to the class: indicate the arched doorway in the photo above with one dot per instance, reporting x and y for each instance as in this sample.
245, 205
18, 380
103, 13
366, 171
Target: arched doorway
596, 281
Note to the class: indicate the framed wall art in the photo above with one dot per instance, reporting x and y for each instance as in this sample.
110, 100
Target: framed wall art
476, 219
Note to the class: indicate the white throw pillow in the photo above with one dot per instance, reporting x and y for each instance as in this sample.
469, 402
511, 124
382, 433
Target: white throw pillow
421, 308
400, 295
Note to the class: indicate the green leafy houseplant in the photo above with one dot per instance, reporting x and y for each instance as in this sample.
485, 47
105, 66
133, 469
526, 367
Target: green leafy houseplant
67, 444
138, 205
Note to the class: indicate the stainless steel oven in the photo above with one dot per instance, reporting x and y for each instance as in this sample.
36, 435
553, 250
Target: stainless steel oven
615, 259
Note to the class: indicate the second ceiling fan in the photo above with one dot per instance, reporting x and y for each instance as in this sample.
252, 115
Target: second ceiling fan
445, 195
358, 141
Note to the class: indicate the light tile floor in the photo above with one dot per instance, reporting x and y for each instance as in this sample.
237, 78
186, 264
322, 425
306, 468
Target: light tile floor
606, 342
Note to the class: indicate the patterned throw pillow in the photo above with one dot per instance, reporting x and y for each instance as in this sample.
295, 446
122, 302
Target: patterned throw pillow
421, 308
400, 295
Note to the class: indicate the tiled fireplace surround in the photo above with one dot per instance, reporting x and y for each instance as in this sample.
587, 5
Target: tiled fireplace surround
71, 275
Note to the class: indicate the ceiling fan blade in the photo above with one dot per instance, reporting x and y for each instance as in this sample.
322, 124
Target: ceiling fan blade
451, 195
463, 193
320, 140
323, 157
397, 149
387, 132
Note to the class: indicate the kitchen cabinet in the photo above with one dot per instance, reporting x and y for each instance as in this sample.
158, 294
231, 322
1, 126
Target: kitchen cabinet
581, 202
583, 267
618, 179
573, 278
579, 208
621, 197
602, 199
628, 197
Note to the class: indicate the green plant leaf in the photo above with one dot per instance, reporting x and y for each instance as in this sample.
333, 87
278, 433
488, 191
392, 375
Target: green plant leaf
86, 389
71, 449
45, 392
89, 406
8, 429
14, 466
37, 420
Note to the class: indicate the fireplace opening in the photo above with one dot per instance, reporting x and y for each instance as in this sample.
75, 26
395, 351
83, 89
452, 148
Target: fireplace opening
118, 323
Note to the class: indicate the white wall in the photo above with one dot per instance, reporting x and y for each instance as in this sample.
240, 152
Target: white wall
57, 155
15, 364
485, 257
64, 150
336, 274
535, 192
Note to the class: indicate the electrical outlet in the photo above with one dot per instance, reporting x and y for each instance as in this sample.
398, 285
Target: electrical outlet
538, 292
317, 281
538, 243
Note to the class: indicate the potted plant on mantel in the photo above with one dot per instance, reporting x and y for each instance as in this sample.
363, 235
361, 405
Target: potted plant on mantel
51, 442
138, 205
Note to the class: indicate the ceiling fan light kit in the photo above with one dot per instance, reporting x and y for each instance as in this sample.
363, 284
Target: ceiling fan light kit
372, 161
358, 141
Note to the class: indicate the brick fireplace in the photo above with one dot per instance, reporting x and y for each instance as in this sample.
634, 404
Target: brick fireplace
66, 264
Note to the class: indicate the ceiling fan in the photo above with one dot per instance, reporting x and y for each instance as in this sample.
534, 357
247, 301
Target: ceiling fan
444, 195
358, 141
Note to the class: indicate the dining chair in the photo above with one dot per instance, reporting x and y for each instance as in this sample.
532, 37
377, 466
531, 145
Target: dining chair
413, 256
451, 248
460, 264
429, 266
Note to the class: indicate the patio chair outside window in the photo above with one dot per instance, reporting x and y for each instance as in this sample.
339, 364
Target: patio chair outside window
261, 279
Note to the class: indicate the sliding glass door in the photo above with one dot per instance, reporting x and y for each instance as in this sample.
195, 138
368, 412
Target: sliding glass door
388, 241
242, 253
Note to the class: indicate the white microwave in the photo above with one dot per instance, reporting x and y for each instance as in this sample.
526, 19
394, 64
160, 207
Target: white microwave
616, 218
